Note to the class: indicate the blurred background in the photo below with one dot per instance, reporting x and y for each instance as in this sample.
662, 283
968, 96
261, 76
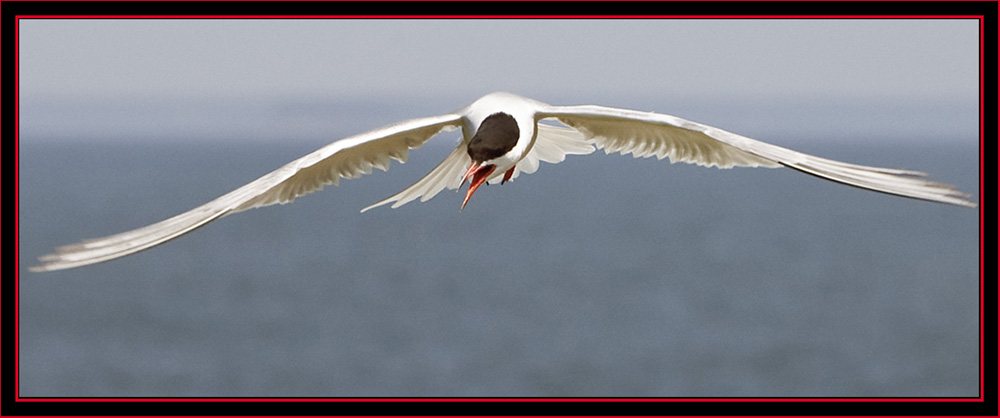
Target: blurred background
602, 276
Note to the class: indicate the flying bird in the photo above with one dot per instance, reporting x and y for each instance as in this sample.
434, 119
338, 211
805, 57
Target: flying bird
503, 135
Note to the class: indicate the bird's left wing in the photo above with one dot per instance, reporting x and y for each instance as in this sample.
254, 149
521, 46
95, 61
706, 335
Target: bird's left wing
347, 158
552, 145
645, 134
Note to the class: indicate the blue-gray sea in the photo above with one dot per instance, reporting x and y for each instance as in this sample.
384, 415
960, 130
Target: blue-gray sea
601, 276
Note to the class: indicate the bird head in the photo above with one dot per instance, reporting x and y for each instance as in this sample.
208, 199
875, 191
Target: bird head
492, 144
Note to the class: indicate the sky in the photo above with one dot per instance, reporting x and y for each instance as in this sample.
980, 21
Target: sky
631, 63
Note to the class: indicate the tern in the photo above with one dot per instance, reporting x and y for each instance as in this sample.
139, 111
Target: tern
503, 135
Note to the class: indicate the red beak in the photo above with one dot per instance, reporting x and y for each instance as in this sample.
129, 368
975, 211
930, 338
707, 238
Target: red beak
479, 174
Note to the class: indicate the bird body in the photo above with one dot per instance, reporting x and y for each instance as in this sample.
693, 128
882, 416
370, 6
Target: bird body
503, 135
522, 113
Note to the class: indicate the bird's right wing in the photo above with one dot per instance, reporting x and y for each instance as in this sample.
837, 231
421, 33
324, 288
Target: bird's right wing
347, 158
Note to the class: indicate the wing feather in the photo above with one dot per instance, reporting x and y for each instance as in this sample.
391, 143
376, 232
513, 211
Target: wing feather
347, 158
645, 134
552, 145
447, 174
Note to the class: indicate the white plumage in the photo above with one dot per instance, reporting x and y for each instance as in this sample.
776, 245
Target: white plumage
642, 134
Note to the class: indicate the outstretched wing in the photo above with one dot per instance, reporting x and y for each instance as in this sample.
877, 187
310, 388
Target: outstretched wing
347, 158
646, 134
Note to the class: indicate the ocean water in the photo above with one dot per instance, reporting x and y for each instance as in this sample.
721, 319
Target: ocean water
600, 276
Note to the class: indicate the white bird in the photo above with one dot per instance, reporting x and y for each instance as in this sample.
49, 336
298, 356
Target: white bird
502, 137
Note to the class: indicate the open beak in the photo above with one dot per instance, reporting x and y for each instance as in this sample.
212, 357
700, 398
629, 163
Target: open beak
479, 173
